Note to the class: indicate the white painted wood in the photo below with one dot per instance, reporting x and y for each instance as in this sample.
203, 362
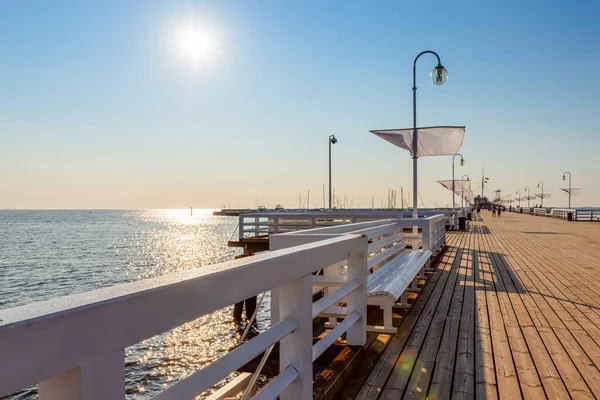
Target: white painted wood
98, 380
57, 341
217, 370
334, 334
426, 237
334, 297
356, 301
233, 388
330, 280
393, 280
296, 349
48, 338
278, 384
249, 391
335, 312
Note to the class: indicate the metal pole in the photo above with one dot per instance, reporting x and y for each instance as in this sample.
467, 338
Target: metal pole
453, 185
330, 172
528, 195
569, 190
415, 137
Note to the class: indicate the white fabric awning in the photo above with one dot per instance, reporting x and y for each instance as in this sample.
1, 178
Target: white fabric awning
529, 197
544, 196
574, 191
432, 141
458, 184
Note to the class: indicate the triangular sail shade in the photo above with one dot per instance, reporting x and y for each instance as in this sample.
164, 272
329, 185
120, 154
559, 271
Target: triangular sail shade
529, 197
458, 184
544, 196
432, 141
574, 192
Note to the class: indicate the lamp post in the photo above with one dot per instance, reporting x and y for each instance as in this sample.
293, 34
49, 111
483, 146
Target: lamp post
518, 193
462, 162
332, 140
462, 191
438, 76
542, 183
528, 195
569, 185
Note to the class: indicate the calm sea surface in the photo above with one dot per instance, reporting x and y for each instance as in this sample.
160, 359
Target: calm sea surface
47, 254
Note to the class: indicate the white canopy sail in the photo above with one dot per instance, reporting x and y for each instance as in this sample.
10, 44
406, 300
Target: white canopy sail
529, 197
574, 191
543, 196
458, 184
432, 141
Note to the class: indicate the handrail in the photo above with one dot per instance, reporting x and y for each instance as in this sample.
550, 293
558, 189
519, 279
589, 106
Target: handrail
59, 342
46, 339
255, 224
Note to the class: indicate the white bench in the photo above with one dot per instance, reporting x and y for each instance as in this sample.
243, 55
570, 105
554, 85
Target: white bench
392, 281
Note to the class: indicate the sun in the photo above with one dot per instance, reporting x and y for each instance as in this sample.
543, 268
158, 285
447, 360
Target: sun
195, 44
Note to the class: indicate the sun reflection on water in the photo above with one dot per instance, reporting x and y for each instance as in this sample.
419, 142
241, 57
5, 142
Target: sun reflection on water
76, 251
180, 240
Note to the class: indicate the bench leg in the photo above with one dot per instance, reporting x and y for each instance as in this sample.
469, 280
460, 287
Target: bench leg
387, 316
403, 303
428, 267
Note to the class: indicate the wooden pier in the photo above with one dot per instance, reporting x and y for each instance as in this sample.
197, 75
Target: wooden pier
512, 311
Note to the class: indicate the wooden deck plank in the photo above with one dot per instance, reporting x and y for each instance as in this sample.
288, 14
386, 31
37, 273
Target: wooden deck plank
412, 372
551, 381
485, 370
514, 312
442, 379
400, 370
555, 334
463, 386
380, 373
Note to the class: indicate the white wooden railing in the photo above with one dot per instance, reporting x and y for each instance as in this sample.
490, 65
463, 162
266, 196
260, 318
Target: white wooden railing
541, 212
72, 347
578, 214
270, 223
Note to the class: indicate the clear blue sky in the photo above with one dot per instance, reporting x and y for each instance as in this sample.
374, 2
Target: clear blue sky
96, 112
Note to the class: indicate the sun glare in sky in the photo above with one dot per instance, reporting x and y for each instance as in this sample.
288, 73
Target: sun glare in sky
195, 43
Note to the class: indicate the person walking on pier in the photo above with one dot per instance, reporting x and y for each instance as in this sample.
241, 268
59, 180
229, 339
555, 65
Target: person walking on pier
499, 210
493, 210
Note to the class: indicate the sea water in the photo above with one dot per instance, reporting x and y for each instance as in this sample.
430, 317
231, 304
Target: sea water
48, 254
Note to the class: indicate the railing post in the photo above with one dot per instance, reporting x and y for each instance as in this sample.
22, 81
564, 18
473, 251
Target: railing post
99, 380
257, 226
276, 224
426, 238
295, 300
357, 300
241, 227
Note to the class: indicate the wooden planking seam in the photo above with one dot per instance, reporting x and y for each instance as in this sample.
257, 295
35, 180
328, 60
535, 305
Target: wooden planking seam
507, 379
552, 339
527, 372
445, 362
582, 347
403, 380
380, 373
553, 385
